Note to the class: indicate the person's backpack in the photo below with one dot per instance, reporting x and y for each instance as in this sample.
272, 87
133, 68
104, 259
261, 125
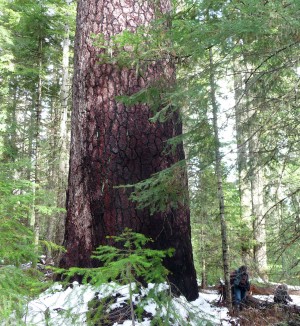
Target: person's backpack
232, 277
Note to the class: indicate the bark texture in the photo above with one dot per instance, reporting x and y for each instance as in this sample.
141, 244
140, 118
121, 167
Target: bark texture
113, 144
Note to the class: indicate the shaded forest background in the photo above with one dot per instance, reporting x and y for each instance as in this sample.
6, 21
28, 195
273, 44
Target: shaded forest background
237, 91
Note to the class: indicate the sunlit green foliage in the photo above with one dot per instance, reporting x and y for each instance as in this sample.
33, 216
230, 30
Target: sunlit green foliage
127, 261
17, 287
130, 262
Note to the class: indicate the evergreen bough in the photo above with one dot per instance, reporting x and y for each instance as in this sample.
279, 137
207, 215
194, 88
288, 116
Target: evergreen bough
130, 263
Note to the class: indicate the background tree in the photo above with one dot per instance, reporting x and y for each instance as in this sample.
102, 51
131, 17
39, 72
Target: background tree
260, 64
240, 36
31, 46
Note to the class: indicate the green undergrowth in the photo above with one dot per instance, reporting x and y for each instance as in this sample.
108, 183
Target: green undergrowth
20, 281
128, 261
131, 273
132, 264
17, 288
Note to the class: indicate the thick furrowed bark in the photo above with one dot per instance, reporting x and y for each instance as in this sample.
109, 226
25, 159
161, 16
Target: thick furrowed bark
113, 144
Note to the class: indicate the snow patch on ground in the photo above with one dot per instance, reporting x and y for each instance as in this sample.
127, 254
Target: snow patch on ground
60, 307
68, 307
270, 298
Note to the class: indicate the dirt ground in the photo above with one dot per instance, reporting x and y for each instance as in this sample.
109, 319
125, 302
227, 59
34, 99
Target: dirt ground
275, 315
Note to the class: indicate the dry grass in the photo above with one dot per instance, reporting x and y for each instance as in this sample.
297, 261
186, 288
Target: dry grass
270, 316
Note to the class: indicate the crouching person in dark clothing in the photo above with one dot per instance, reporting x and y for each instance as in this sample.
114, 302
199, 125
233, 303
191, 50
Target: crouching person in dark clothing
241, 285
281, 294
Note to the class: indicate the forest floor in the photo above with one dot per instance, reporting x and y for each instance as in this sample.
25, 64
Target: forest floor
72, 305
264, 314
271, 316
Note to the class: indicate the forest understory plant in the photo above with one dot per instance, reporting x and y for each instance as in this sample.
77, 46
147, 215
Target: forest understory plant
131, 265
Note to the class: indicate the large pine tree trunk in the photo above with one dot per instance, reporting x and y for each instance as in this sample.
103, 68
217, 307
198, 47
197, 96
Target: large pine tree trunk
114, 144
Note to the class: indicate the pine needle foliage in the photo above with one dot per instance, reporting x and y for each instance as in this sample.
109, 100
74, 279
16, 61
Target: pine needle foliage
17, 287
16, 243
19, 283
131, 263
15, 193
161, 192
128, 261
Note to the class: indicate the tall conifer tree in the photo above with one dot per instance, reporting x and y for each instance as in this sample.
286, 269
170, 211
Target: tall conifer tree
113, 144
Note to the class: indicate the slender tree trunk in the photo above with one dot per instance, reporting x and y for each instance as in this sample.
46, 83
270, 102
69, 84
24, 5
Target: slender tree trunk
60, 145
52, 175
114, 144
202, 249
10, 139
257, 196
251, 176
63, 138
242, 134
218, 169
65, 91
35, 222
203, 273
